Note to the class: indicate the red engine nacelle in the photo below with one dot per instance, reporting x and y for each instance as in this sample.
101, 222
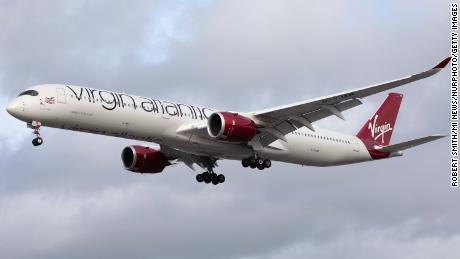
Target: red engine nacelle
231, 127
141, 159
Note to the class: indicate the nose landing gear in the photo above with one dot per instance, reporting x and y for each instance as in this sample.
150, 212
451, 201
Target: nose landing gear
35, 125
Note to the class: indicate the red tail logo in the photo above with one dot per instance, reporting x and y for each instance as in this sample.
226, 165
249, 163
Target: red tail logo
378, 131
380, 126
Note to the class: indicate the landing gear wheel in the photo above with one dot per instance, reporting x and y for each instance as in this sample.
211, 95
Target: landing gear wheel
245, 162
261, 167
221, 178
259, 162
207, 177
252, 162
199, 178
215, 181
267, 163
213, 176
37, 141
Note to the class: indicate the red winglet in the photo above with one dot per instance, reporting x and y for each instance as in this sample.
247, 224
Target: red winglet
443, 63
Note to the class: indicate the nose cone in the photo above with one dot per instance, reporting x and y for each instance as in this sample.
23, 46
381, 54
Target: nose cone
13, 108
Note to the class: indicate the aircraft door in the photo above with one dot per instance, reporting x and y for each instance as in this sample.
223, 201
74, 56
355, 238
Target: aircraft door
61, 97
356, 145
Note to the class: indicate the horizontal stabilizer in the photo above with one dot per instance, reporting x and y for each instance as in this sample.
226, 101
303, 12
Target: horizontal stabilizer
409, 144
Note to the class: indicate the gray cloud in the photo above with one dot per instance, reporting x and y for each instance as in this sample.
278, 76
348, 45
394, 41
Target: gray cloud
71, 198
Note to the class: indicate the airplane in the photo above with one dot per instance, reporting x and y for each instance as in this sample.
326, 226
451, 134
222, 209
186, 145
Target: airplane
201, 136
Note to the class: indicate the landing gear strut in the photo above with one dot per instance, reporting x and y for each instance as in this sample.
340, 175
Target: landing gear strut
258, 163
35, 125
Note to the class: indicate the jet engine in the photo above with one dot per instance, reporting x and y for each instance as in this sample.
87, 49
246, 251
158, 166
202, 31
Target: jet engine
140, 159
231, 127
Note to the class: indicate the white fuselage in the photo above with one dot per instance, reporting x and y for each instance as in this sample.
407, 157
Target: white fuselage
151, 120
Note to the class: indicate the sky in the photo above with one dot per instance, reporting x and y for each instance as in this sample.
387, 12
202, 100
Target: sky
71, 197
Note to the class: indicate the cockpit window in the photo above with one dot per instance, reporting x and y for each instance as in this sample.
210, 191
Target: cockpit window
29, 92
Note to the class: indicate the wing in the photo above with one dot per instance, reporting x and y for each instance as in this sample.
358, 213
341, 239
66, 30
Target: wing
189, 160
276, 122
198, 128
409, 144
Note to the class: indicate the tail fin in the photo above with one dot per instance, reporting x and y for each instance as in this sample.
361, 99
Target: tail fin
380, 126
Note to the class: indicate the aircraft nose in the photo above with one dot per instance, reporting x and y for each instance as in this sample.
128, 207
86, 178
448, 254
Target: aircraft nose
13, 108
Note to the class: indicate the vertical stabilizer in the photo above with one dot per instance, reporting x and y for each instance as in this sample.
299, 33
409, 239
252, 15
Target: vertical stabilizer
379, 127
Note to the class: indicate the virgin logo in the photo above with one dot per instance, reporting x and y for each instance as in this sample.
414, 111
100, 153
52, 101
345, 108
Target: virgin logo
378, 131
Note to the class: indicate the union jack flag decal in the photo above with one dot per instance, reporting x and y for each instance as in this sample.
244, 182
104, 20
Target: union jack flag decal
49, 100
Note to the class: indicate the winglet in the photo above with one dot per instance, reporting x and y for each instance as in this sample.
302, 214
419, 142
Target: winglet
443, 63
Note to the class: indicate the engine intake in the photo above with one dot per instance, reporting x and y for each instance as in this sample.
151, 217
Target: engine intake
142, 159
231, 127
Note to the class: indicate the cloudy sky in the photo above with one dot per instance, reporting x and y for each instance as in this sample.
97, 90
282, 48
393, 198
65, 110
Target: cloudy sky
70, 198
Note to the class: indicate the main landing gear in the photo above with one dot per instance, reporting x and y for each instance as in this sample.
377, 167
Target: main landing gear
35, 125
258, 163
210, 177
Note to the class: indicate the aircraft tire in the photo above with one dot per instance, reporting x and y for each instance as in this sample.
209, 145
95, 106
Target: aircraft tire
245, 162
221, 178
199, 178
207, 177
267, 163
